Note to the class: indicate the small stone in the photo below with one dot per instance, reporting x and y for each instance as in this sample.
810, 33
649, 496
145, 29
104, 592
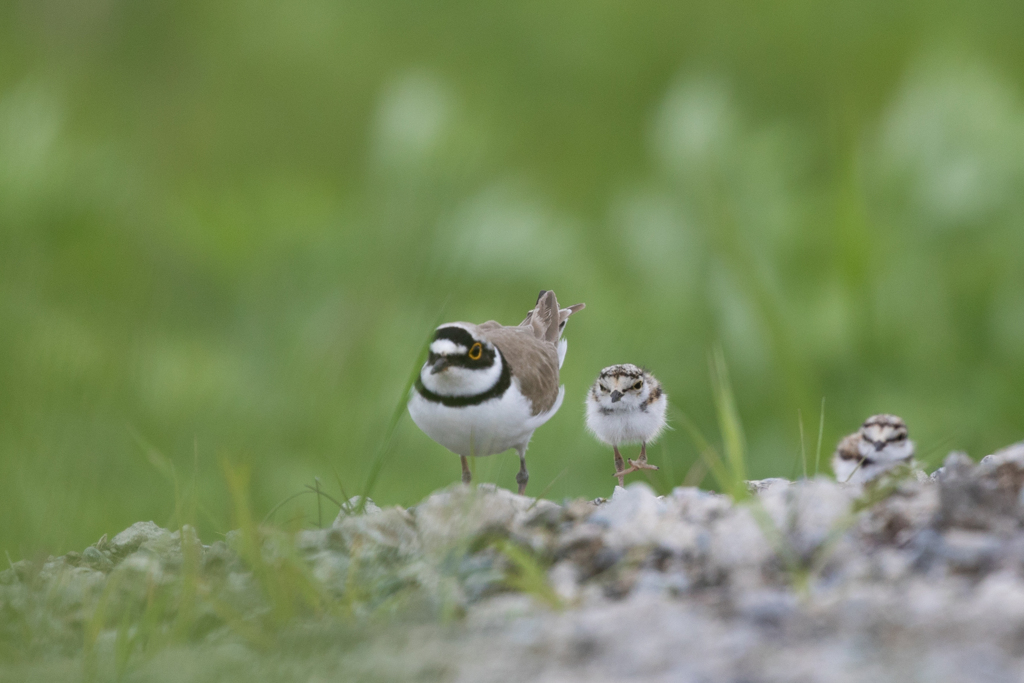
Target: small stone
309, 540
767, 608
96, 559
897, 518
1000, 597
545, 514
970, 551
217, 557
631, 516
1011, 454
191, 537
144, 564
579, 509
459, 514
651, 582
808, 512
737, 547
891, 565
983, 497
353, 505
925, 549
481, 576
759, 486
697, 505
579, 542
564, 578
20, 572
331, 569
129, 540
392, 529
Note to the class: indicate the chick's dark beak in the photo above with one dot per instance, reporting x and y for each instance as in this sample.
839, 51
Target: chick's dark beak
440, 365
616, 395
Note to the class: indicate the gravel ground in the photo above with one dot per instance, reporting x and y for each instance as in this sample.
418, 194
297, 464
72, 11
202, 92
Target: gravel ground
918, 579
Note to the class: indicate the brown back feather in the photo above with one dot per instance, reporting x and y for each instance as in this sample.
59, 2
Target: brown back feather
534, 361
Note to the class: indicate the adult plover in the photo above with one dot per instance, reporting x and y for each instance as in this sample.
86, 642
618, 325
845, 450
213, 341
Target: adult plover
626, 405
880, 444
486, 388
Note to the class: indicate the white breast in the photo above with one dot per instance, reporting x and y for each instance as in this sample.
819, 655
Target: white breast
491, 427
892, 453
626, 426
853, 472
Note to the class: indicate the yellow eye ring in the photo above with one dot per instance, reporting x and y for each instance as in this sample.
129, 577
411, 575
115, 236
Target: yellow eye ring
476, 351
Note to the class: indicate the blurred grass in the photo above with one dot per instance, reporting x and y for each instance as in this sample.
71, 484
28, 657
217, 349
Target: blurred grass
225, 230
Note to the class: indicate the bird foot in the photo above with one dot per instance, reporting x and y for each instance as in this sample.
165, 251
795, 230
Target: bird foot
637, 465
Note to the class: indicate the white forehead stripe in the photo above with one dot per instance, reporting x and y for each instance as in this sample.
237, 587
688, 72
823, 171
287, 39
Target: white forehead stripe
446, 347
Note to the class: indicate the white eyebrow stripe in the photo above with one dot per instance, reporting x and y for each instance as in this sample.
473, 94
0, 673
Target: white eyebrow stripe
446, 347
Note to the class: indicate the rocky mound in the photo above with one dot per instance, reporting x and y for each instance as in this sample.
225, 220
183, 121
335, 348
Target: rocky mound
916, 579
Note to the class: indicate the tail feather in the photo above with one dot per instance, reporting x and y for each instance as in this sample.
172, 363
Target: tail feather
539, 317
545, 318
563, 315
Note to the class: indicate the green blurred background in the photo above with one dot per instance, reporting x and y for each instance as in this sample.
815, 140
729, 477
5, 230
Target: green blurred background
227, 228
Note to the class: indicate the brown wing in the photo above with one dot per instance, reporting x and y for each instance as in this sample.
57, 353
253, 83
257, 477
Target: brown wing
849, 448
534, 362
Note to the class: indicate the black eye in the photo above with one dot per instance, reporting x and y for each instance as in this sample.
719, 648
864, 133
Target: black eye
639, 383
476, 351
604, 388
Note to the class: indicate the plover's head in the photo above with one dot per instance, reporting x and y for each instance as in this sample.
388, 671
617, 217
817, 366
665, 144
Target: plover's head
460, 362
884, 437
622, 388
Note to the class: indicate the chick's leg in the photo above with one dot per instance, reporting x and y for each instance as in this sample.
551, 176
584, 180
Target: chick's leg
620, 467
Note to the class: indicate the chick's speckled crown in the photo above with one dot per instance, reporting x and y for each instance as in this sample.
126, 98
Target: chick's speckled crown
624, 370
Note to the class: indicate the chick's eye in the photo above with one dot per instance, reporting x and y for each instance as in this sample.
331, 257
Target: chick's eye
604, 388
476, 351
636, 387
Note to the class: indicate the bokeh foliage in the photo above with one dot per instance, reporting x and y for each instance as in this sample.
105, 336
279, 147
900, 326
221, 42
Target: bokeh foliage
227, 228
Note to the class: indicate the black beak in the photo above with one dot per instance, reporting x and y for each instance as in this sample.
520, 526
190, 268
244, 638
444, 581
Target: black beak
879, 445
440, 365
616, 395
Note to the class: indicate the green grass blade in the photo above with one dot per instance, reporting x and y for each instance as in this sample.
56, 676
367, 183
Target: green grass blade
821, 433
396, 416
711, 458
803, 451
728, 416
546, 489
